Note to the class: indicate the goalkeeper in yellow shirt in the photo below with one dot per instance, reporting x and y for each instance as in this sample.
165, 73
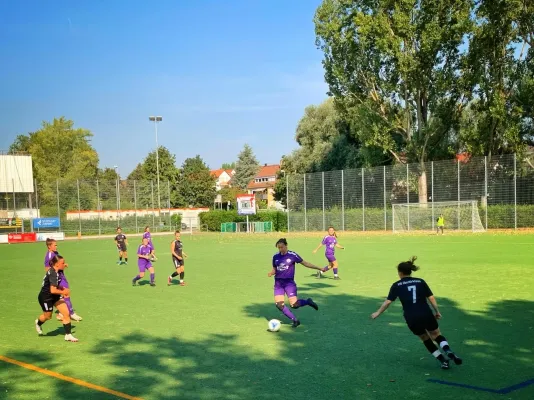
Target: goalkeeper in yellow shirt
441, 224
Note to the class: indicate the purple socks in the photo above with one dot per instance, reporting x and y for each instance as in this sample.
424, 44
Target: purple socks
136, 278
69, 305
152, 277
301, 303
287, 312
335, 271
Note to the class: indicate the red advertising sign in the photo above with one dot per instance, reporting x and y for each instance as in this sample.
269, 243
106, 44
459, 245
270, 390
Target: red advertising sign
22, 237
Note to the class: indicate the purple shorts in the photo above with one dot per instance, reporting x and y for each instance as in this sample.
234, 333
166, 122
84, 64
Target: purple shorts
330, 257
143, 266
285, 286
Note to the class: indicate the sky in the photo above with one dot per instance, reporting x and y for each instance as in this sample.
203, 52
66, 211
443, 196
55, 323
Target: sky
221, 73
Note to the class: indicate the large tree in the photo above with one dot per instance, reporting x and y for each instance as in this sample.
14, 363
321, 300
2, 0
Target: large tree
497, 78
246, 168
61, 151
392, 66
146, 176
196, 186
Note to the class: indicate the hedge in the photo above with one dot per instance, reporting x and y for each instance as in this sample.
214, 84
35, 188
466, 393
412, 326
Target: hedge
213, 219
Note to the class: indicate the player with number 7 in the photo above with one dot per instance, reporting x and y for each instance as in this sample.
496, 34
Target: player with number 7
413, 294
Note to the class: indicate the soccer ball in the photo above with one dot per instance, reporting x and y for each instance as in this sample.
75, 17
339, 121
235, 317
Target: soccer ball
274, 325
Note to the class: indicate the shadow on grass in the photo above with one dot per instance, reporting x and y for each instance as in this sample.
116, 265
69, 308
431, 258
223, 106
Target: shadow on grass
337, 352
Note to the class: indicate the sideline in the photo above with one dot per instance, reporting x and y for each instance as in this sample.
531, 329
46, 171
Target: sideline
78, 382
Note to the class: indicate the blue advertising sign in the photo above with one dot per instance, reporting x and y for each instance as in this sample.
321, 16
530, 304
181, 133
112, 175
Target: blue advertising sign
42, 223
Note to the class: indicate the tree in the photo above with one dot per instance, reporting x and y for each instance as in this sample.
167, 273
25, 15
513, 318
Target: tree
146, 175
496, 78
246, 168
196, 186
60, 151
392, 67
228, 165
229, 194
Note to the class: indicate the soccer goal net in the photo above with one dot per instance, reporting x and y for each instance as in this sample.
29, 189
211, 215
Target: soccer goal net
457, 215
253, 227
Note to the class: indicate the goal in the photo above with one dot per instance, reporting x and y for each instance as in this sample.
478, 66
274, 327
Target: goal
458, 216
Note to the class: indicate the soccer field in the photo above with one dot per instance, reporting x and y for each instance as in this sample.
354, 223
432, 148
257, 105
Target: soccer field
209, 339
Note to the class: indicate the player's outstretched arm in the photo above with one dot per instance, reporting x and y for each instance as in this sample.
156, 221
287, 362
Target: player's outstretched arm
311, 266
339, 246
434, 304
382, 308
318, 247
271, 272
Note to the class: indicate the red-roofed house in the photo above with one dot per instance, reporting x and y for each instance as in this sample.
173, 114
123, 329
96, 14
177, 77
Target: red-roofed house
223, 177
263, 184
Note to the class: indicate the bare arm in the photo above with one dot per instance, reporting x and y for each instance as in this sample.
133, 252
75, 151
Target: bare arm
57, 290
434, 304
311, 266
382, 308
318, 247
271, 272
339, 246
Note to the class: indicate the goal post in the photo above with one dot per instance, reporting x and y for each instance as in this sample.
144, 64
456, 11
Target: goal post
458, 216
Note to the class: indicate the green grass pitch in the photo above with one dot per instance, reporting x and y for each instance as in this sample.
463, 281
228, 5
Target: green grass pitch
209, 339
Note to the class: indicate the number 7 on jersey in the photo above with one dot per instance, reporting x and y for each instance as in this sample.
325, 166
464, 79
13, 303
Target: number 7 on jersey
413, 290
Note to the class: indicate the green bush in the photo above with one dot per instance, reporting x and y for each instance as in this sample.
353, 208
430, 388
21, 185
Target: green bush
213, 219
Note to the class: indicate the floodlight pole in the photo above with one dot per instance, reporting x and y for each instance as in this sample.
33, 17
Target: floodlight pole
157, 119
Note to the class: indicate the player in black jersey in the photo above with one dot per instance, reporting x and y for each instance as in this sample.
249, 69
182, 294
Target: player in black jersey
122, 243
413, 294
50, 297
178, 256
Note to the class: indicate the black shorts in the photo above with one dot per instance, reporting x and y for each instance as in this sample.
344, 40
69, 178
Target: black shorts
421, 323
121, 247
177, 263
47, 303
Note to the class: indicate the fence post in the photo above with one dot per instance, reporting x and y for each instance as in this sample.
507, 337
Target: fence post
98, 207
486, 189
363, 201
408, 192
169, 208
57, 196
342, 202
287, 199
459, 197
515, 192
37, 205
153, 211
135, 206
119, 215
432, 191
385, 205
14, 198
305, 211
322, 183
79, 207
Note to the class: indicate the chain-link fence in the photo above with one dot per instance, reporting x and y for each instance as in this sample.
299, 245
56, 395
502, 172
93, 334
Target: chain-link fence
98, 207
361, 199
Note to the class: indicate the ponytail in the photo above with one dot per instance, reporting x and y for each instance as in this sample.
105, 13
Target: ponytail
407, 267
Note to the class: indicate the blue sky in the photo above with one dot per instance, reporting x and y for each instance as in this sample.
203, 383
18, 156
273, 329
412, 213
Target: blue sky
221, 73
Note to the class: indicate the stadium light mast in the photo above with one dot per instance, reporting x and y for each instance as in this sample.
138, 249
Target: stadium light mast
117, 191
157, 119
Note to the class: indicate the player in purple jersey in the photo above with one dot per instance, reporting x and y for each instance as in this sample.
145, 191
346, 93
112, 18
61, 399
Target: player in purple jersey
284, 280
51, 245
413, 294
148, 236
53, 294
143, 262
330, 243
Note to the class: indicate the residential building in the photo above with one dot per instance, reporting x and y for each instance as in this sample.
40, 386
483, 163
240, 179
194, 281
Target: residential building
223, 177
263, 184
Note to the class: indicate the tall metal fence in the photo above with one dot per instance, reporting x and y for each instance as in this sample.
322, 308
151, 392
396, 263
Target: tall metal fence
361, 199
97, 207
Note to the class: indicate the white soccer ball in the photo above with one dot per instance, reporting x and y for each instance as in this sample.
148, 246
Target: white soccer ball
274, 325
